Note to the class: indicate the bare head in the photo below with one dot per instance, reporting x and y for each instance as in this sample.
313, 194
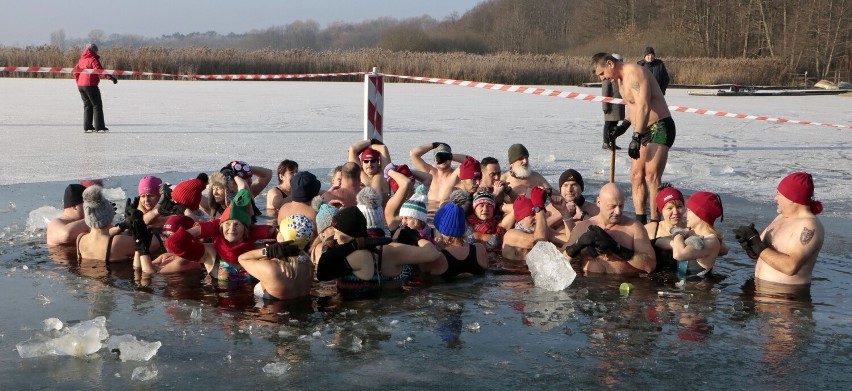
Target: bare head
611, 203
351, 172
605, 66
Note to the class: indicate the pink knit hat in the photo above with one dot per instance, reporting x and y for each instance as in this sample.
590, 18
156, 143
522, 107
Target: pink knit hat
149, 185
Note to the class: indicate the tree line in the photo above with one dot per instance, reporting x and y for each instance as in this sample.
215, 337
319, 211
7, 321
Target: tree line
813, 36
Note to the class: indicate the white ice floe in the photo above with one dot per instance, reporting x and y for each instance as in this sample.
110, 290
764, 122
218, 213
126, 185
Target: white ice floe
549, 268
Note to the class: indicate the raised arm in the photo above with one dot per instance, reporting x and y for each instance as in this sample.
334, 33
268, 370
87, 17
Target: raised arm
356, 148
262, 176
416, 156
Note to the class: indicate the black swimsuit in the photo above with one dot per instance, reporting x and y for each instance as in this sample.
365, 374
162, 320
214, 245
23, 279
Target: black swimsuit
467, 265
665, 259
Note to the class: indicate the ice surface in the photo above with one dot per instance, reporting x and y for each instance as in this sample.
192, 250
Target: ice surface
549, 268
143, 373
162, 120
277, 368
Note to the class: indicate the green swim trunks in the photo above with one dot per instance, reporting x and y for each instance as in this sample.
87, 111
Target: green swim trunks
660, 132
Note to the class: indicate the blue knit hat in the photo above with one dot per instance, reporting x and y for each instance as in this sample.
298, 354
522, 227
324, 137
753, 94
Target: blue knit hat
450, 220
324, 215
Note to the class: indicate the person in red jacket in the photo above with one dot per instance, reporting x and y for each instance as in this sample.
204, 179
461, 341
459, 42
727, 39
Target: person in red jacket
87, 84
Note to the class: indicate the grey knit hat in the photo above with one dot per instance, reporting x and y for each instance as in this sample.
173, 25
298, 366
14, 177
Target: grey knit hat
370, 205
98, 212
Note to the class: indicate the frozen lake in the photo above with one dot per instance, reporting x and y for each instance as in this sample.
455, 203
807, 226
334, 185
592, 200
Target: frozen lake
493, 332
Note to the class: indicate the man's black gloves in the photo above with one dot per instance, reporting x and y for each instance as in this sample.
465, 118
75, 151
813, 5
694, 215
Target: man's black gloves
408, 236
165, 206
128, 214
749, 239
618, 130
633, 149
605, 243
585, 240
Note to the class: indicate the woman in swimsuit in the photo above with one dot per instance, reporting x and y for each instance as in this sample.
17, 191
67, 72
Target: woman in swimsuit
697, 247
100, 242
280, 194
457, 256
364, 266
283, 270
670, 206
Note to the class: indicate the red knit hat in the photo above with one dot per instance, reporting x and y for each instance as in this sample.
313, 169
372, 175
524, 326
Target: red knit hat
188, 193
404, 170
178, 221
370, 153
523, 207
707, 206
799, 188
470, 169
667, 194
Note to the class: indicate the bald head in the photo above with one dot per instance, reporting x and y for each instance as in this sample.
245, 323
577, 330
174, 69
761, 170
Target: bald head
611, 203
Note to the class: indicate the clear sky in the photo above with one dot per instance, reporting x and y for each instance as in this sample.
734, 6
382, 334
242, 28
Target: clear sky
25, 23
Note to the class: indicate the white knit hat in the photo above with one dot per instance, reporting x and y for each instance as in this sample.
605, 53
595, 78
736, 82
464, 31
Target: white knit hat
370, 205
416, 205
98, 212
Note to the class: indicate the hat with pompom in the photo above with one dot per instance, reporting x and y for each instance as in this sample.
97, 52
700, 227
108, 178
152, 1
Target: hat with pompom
416, 205
98, 212
240, 208
370, 205
799, 188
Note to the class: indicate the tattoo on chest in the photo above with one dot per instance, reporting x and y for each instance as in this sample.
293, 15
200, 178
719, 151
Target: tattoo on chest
634, 85
807, 236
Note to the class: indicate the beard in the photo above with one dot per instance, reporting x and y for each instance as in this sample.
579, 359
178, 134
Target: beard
521, 172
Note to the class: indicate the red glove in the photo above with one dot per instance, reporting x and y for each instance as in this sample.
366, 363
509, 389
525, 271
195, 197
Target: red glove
537, 196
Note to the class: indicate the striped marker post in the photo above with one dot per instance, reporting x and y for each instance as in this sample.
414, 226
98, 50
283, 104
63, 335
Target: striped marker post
374, 102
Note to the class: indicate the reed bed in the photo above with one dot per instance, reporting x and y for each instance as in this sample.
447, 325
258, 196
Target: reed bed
506, 68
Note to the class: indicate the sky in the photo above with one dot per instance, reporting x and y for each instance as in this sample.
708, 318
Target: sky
25, 23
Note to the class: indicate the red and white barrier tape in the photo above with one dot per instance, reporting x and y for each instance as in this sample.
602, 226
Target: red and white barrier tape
597, 98
118, 72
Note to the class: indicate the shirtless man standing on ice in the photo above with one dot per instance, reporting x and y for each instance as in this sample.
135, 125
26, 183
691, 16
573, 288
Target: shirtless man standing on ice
653, 127
444, 176
787, 249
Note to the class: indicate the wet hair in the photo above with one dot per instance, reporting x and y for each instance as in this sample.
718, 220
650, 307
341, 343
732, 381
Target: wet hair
351, 171
600, 59
489, 160
285, 166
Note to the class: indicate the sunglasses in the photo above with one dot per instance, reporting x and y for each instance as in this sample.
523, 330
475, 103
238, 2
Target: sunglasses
369, 161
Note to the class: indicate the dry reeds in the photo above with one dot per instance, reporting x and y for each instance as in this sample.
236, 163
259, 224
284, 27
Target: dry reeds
506, 68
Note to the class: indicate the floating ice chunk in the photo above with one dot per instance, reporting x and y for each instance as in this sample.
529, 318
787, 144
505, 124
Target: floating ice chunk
32, 349
78, 345
276, 368
98, 324
143, 373
357, 344
473, 327
52, 324
39, 218
549, 268
115, 340
137, 350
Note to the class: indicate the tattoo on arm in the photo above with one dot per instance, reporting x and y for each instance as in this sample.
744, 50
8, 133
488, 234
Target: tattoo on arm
807, 236
634, 85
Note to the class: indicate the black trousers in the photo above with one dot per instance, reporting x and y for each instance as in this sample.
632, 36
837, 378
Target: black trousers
93, 111
608, 125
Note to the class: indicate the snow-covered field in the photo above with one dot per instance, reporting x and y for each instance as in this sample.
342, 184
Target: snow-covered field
167, 126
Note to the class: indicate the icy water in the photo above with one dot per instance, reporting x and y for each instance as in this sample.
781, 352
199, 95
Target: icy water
482, 333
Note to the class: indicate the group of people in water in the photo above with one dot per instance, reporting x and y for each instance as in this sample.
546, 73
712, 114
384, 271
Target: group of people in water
383, 223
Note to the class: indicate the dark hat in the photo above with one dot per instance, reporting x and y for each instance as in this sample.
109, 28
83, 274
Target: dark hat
572, 175
73, 195
304, 186
350, 221
648, 50
517, 152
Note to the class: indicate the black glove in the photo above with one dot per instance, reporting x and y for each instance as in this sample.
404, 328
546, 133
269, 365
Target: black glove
141, 233
114, 80
605, 243
749, 239
633, 149
282, 250
375, 141
435, 144
616, 131
128, 214
408, 236
585, 240
165, 206
228, 172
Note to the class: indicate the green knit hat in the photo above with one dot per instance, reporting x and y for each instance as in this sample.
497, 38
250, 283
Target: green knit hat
239, 209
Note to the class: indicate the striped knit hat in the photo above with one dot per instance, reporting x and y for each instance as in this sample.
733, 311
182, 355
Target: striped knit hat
416, 205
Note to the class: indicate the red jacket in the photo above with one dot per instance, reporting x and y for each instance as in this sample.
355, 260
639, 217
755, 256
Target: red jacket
89, 60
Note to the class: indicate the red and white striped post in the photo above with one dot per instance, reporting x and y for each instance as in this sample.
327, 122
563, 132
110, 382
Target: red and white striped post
374, 103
